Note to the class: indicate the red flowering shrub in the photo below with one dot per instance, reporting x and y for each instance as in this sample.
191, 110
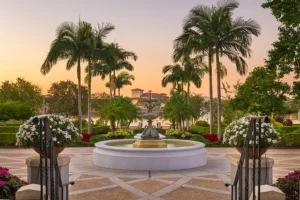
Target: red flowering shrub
9, 184
211, 137
86, 137
289, 185
288, 122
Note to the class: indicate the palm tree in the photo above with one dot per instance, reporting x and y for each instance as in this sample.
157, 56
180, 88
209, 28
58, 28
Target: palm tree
97, 51
176, 77
121, 80
70, 44
213, 31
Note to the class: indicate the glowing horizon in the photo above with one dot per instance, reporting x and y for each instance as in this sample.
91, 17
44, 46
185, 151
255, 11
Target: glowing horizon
146, 27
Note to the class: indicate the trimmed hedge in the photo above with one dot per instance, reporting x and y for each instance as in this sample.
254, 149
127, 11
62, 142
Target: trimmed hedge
97, 138
98, 129
289, 140
199, 138
203, 130
137, 130
288, 129
80, 143
9, 129
8, 139
202, 123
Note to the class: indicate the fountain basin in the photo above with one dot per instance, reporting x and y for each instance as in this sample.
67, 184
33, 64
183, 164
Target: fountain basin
120, 154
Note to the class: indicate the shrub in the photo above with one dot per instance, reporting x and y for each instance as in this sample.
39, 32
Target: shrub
97, 138
101, 129
202, 123
199, 138
9, 184
289, 140
9, 129
161, 130
170, 137
178, 133
80, 143
203, 130
138, 130
236, 132
288, 129
223, 124
129, 137
279, 119
289, 185
76, 123
86, 137
12, 124
63, 131
119, 134
211, 137
8, 139
288, 122
278, 124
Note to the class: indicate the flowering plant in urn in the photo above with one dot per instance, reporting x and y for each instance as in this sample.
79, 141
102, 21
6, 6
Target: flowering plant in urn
63, 131
236, 132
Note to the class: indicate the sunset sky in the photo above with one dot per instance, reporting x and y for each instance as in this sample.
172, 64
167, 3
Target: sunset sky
147, 27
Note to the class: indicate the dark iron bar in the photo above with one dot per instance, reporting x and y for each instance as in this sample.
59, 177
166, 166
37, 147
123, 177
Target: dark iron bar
47, 149
238, 187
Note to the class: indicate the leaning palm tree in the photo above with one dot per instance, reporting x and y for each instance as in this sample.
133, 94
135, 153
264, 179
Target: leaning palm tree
70, 44
121, 80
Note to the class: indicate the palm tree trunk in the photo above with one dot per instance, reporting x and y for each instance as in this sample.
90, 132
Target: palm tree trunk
219, 94
89, 98
187, 100
119, 91
114, 83
182, 87
210, 92
110, 92
79, 96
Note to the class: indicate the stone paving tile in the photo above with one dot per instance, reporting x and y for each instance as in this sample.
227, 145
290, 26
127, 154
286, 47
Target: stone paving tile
125, 179
116, 193
277, 164
209, 176
192, 194
5, 160
89, 176
87, 184
17, 155
219, 185
149, 186
296, 161
280, 172
172, 179
19, 171
281, 156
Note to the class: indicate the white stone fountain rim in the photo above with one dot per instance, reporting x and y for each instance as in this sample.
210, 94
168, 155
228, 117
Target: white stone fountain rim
103, 145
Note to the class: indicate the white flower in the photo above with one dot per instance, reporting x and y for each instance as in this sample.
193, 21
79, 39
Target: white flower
274, 141
54, 139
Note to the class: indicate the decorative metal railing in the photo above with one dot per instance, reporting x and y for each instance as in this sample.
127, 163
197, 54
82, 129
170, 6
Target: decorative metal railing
50, 175
241, 183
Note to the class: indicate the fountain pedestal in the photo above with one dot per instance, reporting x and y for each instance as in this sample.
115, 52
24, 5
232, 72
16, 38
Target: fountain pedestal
150, 144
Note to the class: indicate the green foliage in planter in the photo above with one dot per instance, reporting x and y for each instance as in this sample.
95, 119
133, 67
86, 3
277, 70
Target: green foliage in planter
8, 139
203, 130
9, 129
97, 138
199, 138
138, 130
178, 133
218, 144
202, 123
289, 140
129, 137
170, 137
98, 129
288, 129
119, 133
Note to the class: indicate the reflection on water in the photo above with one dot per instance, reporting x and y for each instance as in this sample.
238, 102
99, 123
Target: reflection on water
131, 145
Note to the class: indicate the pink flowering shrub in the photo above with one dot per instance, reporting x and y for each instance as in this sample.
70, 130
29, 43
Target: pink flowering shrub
289, 184
9, 184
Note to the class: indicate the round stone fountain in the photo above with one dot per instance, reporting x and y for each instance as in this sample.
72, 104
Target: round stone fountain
149, 151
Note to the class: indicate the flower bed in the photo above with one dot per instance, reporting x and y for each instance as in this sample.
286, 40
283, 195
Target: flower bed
64, 132
178, 133
119, 134
289, 185
211, 137
86, 137
235, 133
9, 184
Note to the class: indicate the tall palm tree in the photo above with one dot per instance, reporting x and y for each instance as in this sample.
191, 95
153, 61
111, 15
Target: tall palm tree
97, 51
176, 77
122, 79
70, 44
212, 30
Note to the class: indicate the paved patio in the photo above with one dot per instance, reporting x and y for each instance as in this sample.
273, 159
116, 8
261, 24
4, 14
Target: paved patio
206, 182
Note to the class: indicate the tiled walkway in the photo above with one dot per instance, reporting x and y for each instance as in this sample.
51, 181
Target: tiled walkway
207, 182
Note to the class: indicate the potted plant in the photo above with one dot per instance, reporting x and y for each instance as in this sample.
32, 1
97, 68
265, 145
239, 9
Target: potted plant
236, 132
63, 131
9, 184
